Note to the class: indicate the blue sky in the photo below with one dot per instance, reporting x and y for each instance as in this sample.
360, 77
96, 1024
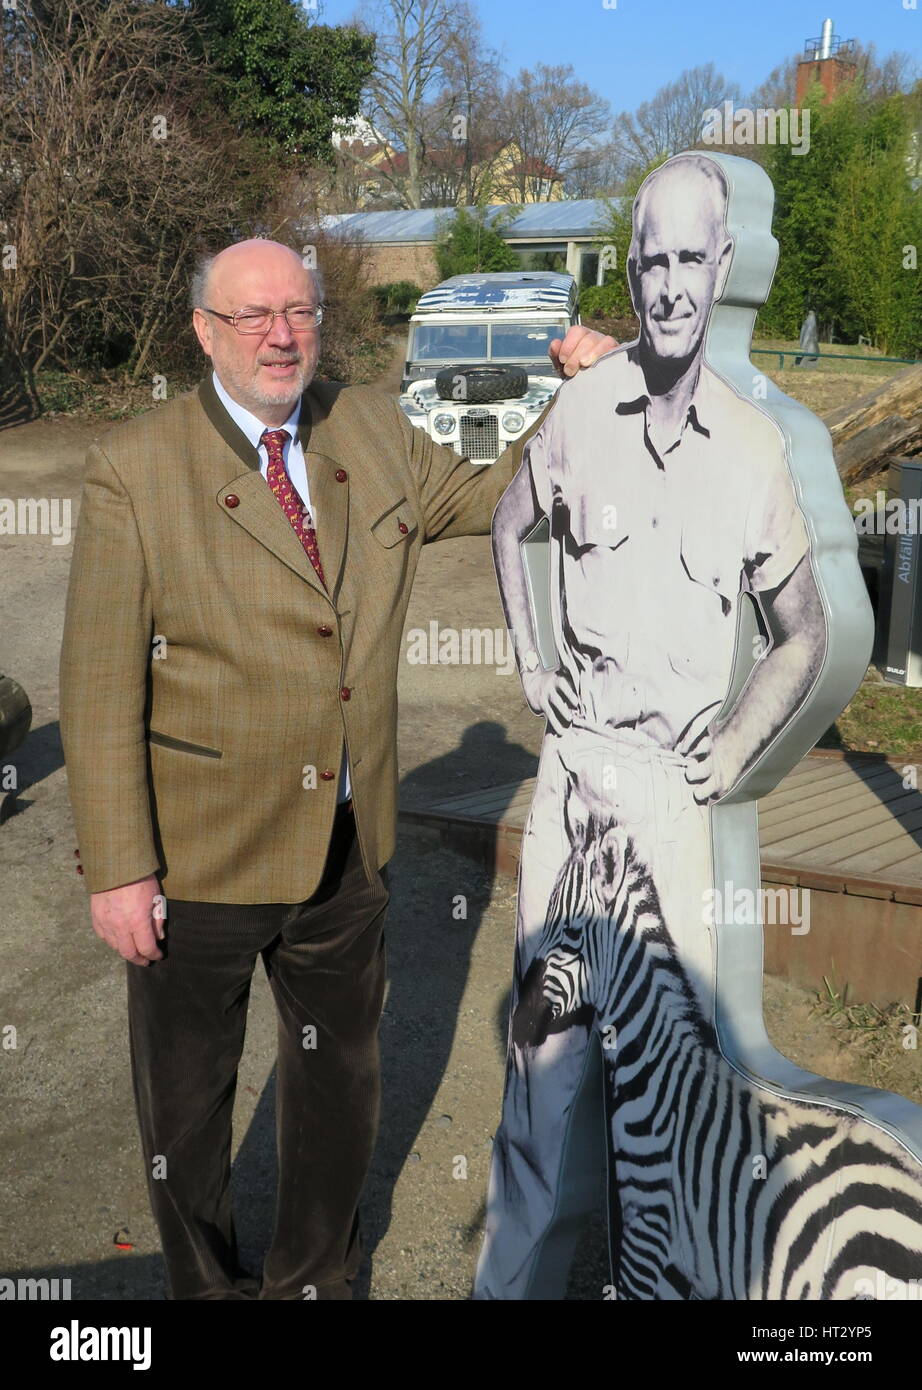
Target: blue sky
626, 53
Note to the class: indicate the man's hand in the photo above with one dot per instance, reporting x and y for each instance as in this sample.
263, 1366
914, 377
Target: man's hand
709, 772
129, 920
579, 349
553, 694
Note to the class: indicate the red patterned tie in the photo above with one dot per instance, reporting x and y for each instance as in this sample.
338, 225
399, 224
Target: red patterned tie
291, 504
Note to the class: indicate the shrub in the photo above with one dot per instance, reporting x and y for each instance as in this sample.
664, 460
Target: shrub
396, 297
604, 301
468, 243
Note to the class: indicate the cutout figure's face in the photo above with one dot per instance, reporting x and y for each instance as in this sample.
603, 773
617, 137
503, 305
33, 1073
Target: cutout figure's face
682, 254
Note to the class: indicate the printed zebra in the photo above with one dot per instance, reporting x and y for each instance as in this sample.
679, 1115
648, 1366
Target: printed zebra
722, 1189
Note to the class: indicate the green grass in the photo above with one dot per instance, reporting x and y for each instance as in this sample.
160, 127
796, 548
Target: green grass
880, 718
869, 357
882, 1043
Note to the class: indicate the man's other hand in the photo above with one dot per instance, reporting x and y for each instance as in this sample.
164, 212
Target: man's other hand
553, 694
709, 770
129, 919
579, 349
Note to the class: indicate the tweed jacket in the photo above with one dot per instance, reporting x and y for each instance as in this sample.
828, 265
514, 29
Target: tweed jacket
208, 682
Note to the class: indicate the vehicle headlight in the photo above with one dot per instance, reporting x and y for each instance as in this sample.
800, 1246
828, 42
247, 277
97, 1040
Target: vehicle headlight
444, 423
513, 420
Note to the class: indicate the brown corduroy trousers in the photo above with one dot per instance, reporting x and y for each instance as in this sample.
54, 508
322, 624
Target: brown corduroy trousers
325, 961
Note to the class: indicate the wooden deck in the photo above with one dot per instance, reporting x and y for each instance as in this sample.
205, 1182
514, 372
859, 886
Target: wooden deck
841, 822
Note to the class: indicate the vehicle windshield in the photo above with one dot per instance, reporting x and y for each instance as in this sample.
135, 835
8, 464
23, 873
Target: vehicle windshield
481, 342
450, 342
517, 342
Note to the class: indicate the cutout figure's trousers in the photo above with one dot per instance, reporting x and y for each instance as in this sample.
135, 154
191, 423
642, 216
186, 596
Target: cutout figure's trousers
559, 1120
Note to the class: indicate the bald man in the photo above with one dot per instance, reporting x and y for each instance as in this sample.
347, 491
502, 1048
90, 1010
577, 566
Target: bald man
668, 497
241, 572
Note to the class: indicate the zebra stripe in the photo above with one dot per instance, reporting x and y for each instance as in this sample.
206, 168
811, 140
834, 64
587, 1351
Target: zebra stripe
697, 1220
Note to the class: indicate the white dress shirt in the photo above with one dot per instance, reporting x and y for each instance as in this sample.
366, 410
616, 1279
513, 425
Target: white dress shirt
293, 455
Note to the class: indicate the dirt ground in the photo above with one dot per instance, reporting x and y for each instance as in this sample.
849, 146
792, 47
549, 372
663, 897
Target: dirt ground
70, 1164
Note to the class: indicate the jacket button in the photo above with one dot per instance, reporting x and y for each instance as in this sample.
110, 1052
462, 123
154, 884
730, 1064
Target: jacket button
345, 692
325, 631
341, 475
232, 500
402, 527
327, 775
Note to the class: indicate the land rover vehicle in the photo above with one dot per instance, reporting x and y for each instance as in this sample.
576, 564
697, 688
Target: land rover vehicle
477, 372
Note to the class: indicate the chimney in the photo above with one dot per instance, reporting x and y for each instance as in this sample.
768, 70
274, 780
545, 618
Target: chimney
828, 60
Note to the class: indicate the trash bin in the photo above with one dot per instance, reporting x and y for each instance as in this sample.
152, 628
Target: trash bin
898, 647
15, 715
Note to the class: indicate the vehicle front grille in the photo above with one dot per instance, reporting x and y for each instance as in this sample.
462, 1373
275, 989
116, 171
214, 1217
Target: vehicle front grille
480, 436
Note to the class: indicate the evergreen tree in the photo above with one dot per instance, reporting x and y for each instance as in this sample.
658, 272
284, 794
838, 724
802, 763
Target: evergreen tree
468, 242
283, 78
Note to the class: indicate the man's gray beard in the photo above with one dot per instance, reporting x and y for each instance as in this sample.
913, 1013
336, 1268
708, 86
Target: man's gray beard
263, 397
247, 391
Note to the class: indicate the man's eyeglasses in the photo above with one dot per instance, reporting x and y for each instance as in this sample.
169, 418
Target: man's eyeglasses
299, 318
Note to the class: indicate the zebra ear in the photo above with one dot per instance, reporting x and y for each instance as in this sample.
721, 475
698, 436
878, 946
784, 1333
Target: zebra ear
577, 822
610, 862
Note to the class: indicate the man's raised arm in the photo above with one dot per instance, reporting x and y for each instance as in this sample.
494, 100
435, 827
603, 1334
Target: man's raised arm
459, 497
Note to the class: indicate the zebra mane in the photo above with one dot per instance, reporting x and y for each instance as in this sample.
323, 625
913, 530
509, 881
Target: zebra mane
614, 884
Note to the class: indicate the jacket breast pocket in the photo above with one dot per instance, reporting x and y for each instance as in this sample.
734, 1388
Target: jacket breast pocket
182, 745
397, 525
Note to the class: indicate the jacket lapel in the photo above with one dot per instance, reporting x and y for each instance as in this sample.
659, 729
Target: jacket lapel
257, 509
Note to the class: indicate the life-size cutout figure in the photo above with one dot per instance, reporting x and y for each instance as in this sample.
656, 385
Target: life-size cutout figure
669, 506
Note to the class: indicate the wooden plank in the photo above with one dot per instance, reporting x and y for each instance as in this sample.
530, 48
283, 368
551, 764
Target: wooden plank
487, 799
808, 771
903, 865
808, 792
833, 819
820, 834
853, 794
808, 767
895, 801
788, 794
884, 858
849, 851
829, 824
464, 800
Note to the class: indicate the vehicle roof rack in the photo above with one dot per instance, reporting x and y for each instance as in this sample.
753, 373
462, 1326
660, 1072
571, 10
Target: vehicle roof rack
537, 289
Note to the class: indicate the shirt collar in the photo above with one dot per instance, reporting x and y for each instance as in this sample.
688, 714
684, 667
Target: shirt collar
639, 403
249, 423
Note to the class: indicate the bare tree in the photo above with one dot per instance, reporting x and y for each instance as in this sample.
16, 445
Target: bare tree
596, 173
778, 89
413, 39
114, 168
554, 121
465, 123
672, 120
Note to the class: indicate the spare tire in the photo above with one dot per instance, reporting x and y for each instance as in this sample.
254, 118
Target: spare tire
479, 385
15, 715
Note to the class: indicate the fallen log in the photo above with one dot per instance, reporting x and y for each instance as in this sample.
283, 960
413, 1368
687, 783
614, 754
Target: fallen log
877, 427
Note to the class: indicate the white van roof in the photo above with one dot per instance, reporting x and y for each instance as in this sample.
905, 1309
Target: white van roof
528, 289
